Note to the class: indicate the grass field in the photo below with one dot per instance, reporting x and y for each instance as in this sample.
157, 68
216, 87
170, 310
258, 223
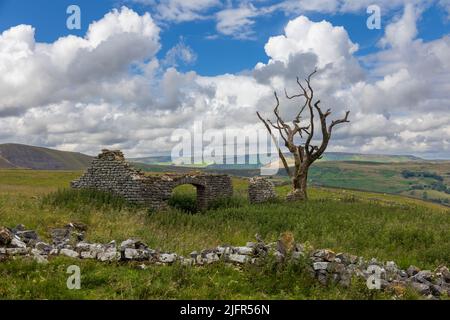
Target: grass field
385, 177
388, 227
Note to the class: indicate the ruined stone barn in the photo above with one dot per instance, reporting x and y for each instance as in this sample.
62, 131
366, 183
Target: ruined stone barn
110, 172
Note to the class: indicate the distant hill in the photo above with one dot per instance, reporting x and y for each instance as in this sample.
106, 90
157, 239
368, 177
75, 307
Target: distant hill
230, 163
153, 160
345, 156
360, 158
29, 157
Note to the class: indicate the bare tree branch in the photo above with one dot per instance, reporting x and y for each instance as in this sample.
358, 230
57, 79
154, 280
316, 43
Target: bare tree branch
304, 153
335, 122
280, 153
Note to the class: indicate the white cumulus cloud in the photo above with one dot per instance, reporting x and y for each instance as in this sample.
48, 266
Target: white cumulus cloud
78, 93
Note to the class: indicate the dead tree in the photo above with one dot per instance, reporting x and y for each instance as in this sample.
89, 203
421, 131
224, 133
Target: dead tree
304, 153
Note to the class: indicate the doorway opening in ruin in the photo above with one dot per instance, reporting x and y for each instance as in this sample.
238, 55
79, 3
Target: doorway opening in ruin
188, 198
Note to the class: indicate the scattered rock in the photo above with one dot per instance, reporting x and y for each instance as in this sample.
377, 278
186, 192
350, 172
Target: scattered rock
19, 227
299, 247
345, 279
347, 258
444, 273
237, 258
186, 262
60, 236
136, 254
16, 243
89, 250
251, 244
69, 253
412, 270
5, 236
16, 251
43, 247
88, 254
335, 267
38, 257
223, 250
424, 276
167, 257
244, 250
391, 266
320, 265
436, 290
211, 257
421, 288
132, 244
81, 227
297, 255
110, 254
324, 255
322, 276
27, 236
141, 267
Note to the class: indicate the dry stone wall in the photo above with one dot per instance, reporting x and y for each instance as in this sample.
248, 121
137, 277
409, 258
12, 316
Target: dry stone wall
325, 265
260, 190
110, 172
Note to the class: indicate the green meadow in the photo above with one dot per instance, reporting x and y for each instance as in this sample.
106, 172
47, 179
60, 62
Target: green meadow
388, 227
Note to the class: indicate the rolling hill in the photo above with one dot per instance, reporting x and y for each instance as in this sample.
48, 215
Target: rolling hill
346, 156
328, 156
29, 157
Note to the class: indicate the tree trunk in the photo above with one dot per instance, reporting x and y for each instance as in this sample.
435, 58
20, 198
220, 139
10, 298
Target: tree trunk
299, 184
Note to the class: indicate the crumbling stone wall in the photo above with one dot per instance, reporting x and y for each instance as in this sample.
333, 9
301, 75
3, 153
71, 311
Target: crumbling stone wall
260, 190
209, 187
325, 265
110, 172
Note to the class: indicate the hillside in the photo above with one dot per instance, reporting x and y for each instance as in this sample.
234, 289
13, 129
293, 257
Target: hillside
428, 180
30, 157
5, 164
328, 156
362, 158
345, 156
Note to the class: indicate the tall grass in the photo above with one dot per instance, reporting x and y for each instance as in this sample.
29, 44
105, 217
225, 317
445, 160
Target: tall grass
186, 203
79, 199
404, 233
370, 225
24, 279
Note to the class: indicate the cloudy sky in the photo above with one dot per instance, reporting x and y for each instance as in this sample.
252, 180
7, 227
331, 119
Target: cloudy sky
139, 69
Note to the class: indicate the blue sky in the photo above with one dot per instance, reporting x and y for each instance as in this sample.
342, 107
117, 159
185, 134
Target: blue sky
224, 54
156, 66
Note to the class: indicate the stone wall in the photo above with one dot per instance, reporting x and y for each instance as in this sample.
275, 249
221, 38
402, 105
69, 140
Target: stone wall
111, 173
209, 187
260, 190
325, 265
